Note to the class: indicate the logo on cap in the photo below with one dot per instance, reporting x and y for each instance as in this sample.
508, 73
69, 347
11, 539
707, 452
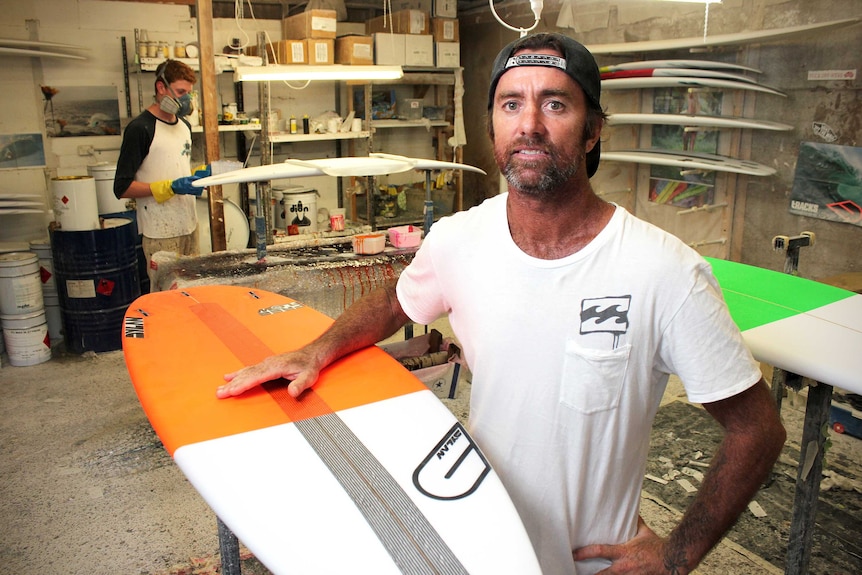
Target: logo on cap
536, 60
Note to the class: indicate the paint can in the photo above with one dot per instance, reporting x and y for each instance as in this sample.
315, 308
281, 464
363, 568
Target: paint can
97, 279
75, 204
300, 208
20, 283
26, 337
103, 173
42, 248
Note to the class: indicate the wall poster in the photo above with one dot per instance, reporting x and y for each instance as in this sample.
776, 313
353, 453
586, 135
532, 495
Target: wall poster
828, 183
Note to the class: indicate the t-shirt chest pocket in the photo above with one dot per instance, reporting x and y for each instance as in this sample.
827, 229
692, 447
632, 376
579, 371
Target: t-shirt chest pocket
592, 379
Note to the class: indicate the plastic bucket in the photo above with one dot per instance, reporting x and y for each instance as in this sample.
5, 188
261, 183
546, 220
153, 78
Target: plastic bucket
20, 283
300, 209
97, 279
26, 337
236, 228
75, 203
278, 220
107, 202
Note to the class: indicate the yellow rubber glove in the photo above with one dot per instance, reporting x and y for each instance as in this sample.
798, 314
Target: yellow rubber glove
162, 191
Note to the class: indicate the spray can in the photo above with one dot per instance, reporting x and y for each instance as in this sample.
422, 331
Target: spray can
305, 124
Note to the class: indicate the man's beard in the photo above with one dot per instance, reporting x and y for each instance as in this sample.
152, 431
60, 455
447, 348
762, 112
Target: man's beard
552, 179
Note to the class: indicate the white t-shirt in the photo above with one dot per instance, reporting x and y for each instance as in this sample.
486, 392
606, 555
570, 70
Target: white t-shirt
570, 359
155, 150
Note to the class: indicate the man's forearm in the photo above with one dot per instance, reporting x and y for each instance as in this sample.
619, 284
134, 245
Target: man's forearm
753, 440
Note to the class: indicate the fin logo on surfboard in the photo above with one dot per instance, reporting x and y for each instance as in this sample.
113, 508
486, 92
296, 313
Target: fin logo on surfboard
453, 469
279, 308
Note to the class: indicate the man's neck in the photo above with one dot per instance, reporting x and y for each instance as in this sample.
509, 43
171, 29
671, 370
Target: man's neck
555, 228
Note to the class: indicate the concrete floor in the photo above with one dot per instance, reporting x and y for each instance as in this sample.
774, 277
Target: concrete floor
88, 489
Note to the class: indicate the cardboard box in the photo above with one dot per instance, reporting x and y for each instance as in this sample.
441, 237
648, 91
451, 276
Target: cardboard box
401, 22
445, 29
447, 54
389, 49
320, 51
350, 29
310, 24
445, 9
292, 52
357, 50
425, 5
418, 50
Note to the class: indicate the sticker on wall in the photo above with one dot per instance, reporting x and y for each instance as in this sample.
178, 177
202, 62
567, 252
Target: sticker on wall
824, 131
828, 183
81, 111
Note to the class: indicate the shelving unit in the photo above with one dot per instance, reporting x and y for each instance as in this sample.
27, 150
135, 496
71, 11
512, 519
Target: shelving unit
443, 83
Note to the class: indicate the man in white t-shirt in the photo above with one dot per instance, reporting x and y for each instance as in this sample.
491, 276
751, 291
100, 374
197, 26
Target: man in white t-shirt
572, 314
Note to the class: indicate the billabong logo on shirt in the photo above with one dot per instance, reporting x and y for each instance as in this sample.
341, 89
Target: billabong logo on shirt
609, 314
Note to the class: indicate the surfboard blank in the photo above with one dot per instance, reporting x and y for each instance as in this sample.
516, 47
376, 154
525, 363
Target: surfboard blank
697, 121
374, 165
685, 63
751, 37
685, 82
688, 160
37, 53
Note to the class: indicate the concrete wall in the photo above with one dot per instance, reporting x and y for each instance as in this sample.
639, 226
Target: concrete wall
757, 207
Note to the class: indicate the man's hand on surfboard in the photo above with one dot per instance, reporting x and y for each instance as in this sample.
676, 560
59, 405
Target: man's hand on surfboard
298, 367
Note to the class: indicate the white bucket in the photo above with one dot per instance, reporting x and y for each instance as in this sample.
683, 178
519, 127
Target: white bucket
42, 248
75, 203
107, 202
278, 219
236, 228
20, 283
26, 337
300, 209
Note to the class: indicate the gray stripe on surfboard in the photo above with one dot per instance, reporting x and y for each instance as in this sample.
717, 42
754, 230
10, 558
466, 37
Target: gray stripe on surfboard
411, 541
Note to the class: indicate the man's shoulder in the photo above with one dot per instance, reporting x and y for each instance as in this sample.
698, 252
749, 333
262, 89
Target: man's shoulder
144, 121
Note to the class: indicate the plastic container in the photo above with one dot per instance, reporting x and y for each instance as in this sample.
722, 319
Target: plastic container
411, 109
405, 236
369, 244
103, 173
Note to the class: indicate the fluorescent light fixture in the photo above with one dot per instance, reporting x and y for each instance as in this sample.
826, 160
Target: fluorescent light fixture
302, 73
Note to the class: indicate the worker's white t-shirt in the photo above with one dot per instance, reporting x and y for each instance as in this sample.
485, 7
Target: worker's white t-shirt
570, 358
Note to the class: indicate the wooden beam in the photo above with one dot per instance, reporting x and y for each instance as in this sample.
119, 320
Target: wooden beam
209, 99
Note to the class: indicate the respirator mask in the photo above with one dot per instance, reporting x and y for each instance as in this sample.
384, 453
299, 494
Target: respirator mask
170, 104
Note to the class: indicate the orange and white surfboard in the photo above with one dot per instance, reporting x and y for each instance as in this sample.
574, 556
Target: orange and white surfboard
366, 472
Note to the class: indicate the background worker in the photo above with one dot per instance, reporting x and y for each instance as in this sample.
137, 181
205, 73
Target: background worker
572, 314
154, 166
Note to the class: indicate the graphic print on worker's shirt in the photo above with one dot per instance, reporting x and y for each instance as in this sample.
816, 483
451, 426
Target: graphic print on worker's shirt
594, 367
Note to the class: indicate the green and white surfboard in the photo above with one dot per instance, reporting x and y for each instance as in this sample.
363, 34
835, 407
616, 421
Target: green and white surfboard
802, 326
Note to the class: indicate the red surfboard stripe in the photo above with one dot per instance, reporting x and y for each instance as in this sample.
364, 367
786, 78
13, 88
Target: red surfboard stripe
249, 349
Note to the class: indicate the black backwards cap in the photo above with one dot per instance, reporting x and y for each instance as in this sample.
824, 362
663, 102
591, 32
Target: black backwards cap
576, 61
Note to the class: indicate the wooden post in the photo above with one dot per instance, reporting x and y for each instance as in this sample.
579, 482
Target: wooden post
209, 101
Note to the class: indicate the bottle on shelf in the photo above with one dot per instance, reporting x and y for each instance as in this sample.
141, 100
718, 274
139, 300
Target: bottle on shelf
292, 124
